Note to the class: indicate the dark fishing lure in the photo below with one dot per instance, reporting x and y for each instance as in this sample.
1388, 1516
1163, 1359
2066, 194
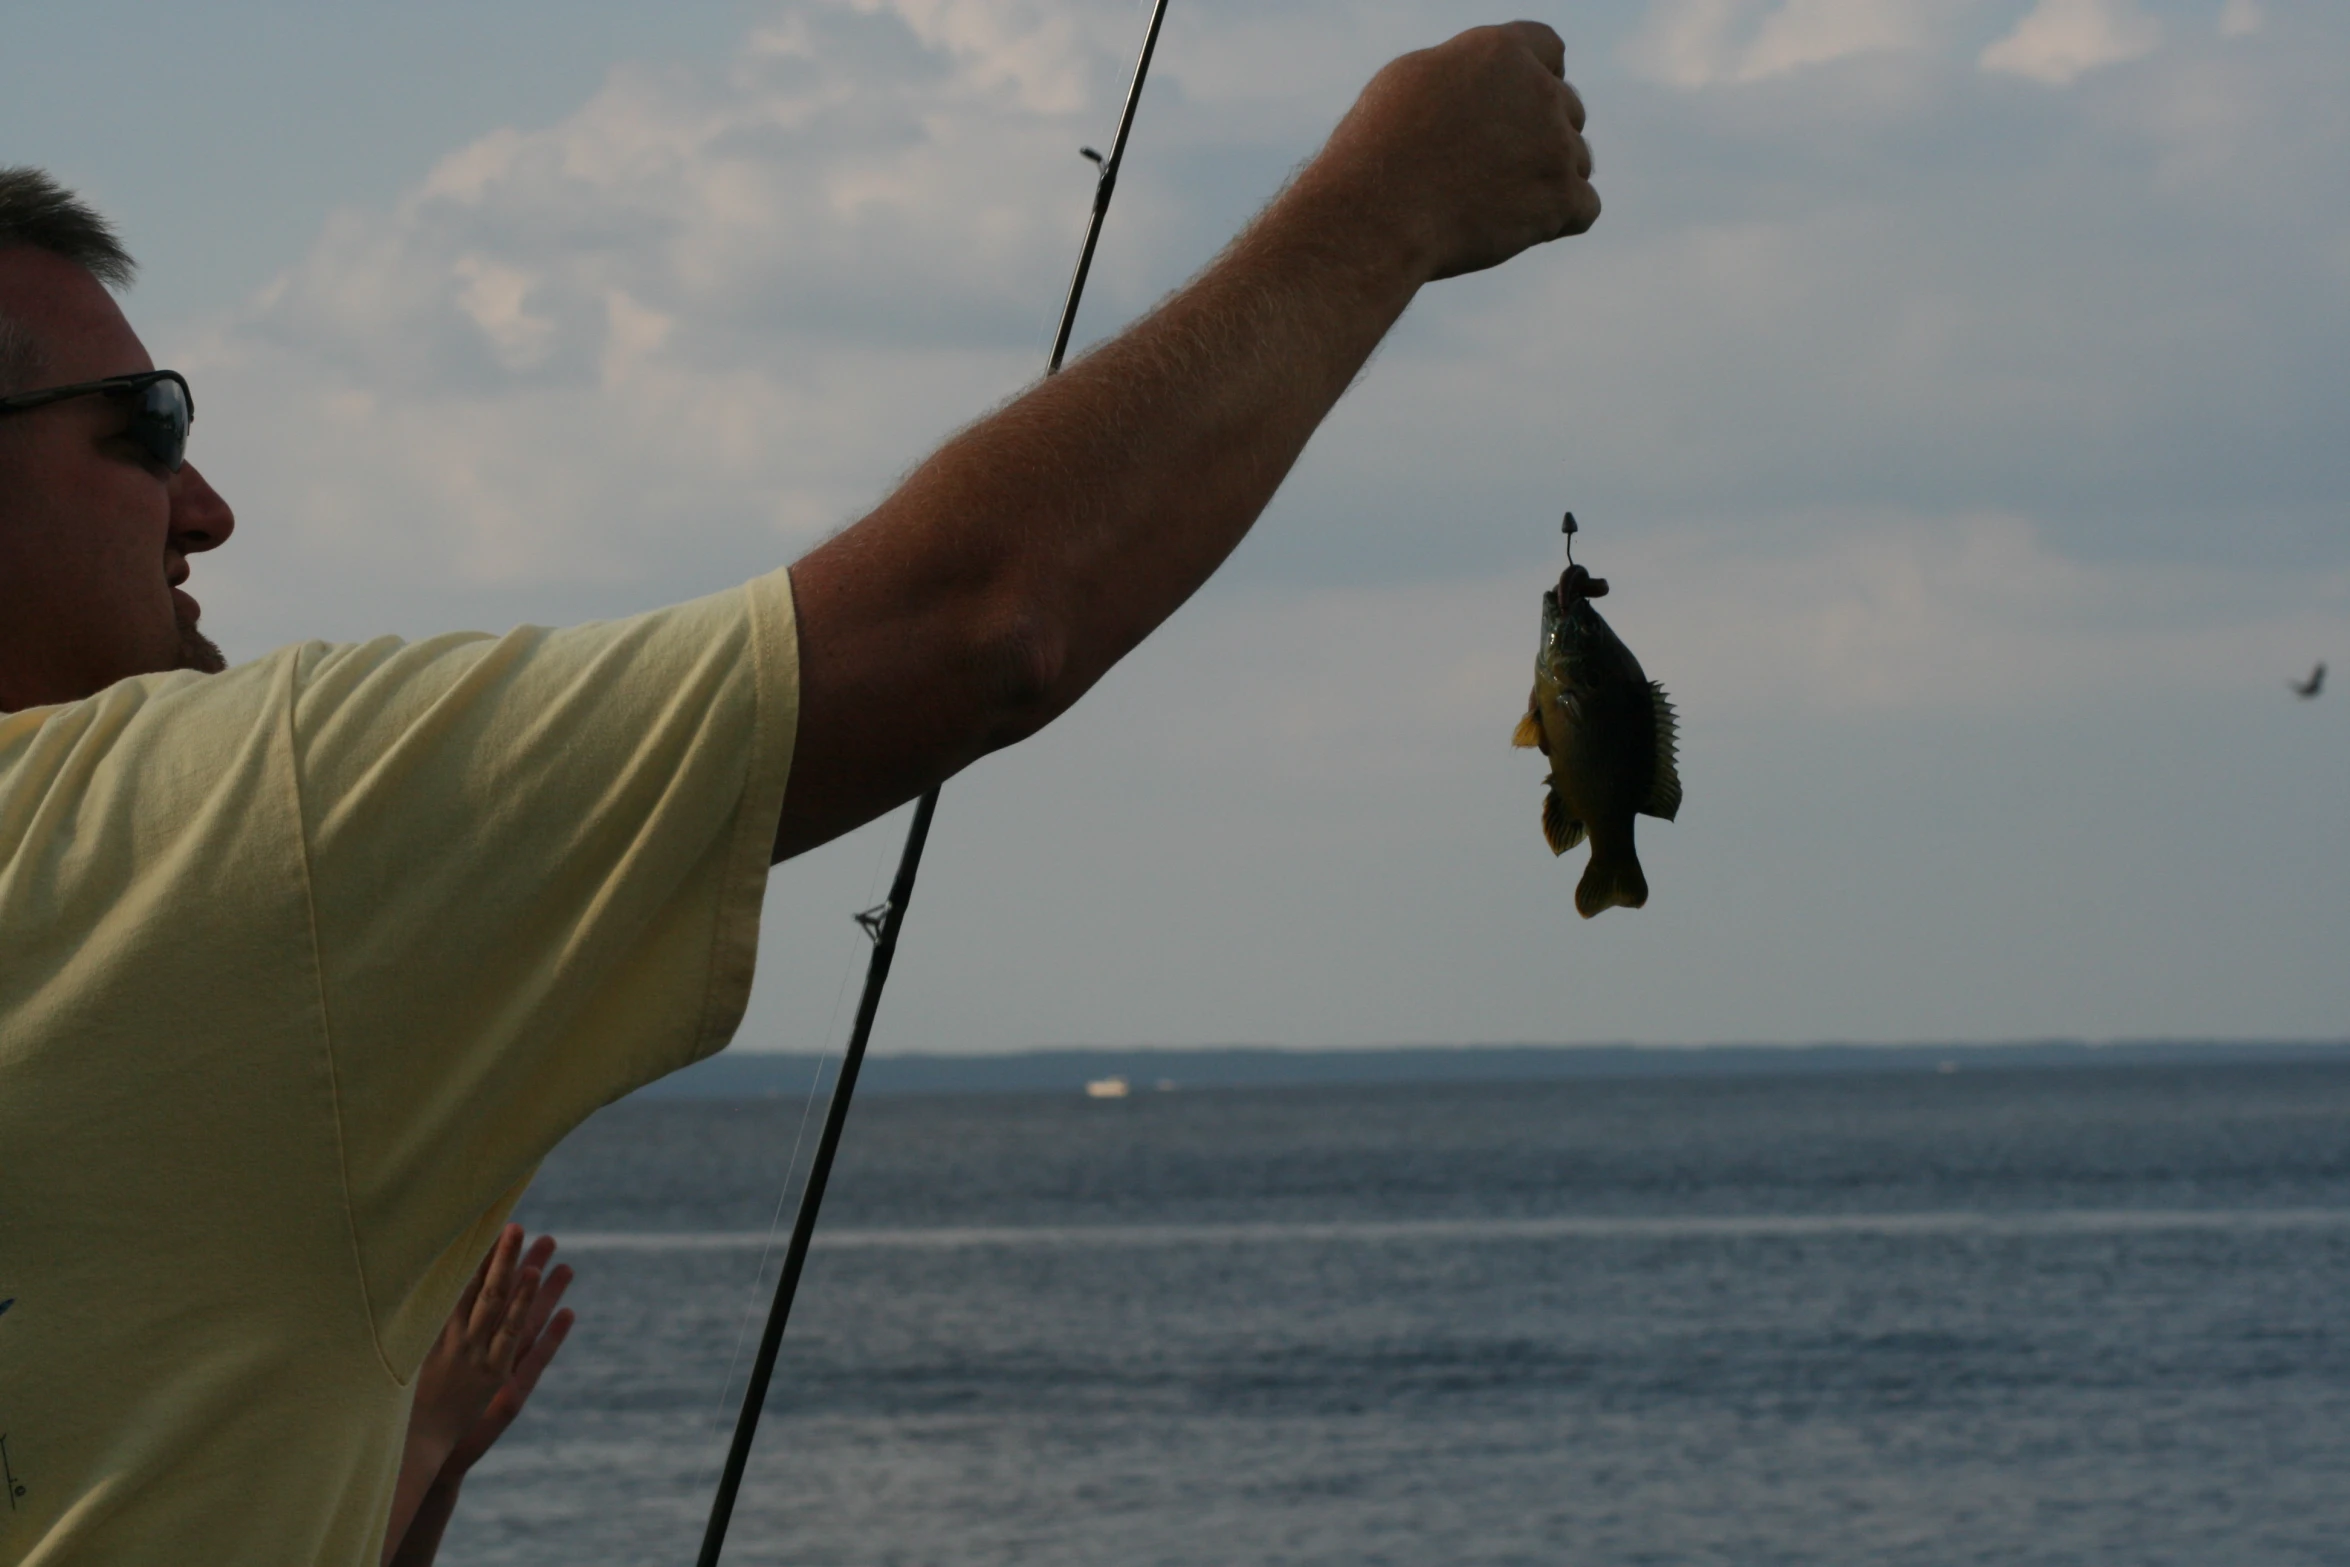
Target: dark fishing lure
1611, 737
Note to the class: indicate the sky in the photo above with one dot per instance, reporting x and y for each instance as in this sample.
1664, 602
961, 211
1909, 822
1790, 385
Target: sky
1954, 392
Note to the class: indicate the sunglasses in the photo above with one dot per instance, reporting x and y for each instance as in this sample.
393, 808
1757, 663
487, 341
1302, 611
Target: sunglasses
162, 409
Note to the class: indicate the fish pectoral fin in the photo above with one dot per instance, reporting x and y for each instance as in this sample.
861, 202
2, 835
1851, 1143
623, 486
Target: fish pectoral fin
1664, 788
1529, 731
1559, 828
1613, 879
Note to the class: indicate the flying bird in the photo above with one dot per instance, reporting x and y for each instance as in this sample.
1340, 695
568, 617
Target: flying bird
2305, 689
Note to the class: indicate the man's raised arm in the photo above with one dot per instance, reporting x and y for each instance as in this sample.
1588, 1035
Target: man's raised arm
1032, 551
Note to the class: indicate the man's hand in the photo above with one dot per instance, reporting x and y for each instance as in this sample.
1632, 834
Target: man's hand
1034, 550
1473, 149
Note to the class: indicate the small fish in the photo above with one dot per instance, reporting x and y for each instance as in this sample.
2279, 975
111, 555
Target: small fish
1610, 735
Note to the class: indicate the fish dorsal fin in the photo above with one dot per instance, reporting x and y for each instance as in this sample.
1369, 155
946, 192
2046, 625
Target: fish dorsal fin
1664, 790
1529, 727
1559, 829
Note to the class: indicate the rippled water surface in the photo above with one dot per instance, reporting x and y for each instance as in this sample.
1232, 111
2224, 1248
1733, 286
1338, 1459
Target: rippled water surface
2033, 1316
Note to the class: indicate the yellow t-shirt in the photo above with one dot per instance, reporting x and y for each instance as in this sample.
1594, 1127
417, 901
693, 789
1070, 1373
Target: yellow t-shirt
303, 968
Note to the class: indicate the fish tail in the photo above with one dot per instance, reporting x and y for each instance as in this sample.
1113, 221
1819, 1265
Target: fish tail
1613, 879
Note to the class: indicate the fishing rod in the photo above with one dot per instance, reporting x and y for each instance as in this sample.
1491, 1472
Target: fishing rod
883, 923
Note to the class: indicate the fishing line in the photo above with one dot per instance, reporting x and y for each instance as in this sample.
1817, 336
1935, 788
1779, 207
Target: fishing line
884, 922
742, 1329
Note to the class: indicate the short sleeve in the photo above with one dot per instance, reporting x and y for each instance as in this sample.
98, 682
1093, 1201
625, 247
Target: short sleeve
535, 866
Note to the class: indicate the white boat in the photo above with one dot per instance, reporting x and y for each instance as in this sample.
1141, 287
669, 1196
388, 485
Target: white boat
1107, 1088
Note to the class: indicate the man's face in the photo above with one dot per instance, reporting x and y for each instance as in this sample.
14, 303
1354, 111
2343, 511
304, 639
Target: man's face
94, 538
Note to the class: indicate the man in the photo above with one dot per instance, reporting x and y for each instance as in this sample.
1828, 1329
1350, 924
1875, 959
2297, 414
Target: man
305, 964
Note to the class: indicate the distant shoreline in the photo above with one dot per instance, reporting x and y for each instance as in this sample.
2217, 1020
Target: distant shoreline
741, 1074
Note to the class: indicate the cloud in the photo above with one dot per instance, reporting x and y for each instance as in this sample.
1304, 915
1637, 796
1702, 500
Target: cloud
1943, 780
1818, 32
1965, 613
1696, 43
1957, 453
2063, 40
1822, 617
679, 334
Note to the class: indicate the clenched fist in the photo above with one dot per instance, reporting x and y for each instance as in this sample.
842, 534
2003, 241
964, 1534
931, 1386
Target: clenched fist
1471, 151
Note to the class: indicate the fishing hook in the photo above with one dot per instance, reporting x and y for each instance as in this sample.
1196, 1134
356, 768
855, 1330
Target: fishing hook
885, 921
1577, 579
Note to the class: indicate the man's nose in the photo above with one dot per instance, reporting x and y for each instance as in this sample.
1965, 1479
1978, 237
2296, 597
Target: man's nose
200, 519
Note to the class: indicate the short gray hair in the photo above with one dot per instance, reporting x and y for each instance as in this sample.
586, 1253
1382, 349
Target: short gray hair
37, 211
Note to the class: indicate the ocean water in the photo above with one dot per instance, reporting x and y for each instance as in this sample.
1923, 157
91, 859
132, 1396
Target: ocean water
2094, 1315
